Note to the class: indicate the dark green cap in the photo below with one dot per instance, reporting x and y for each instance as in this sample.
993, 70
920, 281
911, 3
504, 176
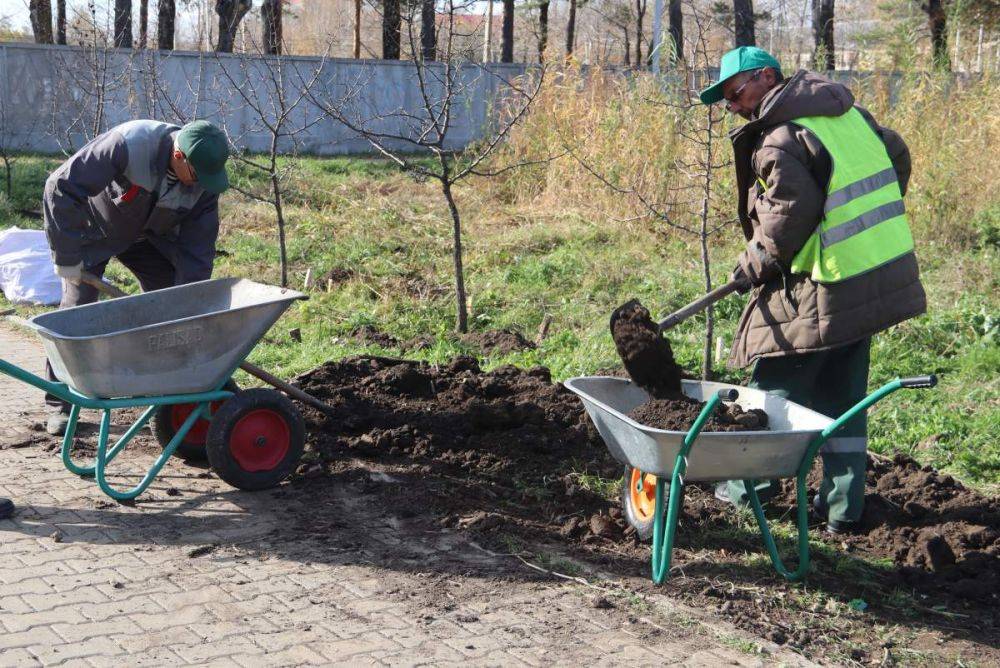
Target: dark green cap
742, 59
207, 150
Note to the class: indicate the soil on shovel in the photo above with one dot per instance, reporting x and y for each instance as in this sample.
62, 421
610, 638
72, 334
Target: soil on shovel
510, 460
645, 353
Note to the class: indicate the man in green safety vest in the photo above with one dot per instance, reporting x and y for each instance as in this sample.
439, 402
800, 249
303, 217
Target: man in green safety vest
829, 253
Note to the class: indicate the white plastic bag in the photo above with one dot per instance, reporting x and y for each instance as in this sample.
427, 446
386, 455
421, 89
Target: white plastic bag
26, 271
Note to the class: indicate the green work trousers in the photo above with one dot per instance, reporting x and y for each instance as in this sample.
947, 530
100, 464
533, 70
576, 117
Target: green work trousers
828, 382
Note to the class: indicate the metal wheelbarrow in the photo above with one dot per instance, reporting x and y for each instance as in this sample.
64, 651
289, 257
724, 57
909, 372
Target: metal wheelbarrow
174, 351
654, 456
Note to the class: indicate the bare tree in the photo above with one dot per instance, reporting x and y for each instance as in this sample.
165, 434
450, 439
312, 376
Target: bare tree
693, 206
571, 28
40, 13
166, 13
640, 13
543, 29
428, 30
822, 29
98, 77
744, 19
143, 23
270, 91
60, 21
123, 24
445, 86
676, 30
271, 19
391, 22
230, 12
357, 29
507, 33
937, 19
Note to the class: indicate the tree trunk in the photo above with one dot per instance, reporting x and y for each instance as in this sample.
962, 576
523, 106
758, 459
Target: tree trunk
40, 12
461, 311
743, 15
143, 23
123, 24
390, 29
640, 14
230, 12
571, 28
507, 33
166, 12
822, 27
428, 30
270, 16
543, 29
937, 22
628, 47
60, 21
676, 30
357, 28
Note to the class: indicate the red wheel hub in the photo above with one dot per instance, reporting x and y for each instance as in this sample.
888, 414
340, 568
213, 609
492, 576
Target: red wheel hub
260, 440
199, 430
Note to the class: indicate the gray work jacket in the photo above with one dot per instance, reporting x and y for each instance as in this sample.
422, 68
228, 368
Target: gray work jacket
114, 192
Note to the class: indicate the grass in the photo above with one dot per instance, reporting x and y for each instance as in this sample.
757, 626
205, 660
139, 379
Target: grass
550, 241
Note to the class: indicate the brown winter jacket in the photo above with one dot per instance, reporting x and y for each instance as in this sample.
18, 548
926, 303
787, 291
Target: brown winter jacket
791, 313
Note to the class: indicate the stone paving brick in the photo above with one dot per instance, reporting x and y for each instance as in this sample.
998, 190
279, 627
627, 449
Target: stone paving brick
18, 658
94, 647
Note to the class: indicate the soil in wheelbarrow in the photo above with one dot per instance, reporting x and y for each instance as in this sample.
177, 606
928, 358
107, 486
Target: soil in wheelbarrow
509, 460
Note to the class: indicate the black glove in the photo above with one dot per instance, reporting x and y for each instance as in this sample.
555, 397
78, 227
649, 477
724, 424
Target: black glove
741, 278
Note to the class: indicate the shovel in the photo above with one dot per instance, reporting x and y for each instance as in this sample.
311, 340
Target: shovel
255, 371
702, 303
645, 352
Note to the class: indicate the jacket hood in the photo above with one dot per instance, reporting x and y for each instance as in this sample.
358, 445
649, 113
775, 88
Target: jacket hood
804, 94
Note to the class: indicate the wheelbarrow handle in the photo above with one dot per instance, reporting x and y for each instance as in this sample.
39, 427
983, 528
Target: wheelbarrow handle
253, 370
914, 382
700, 304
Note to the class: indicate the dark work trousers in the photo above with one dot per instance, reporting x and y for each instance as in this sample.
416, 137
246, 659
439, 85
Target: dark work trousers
149, 265
829, 382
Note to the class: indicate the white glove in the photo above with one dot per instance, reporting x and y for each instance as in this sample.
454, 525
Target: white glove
70, 273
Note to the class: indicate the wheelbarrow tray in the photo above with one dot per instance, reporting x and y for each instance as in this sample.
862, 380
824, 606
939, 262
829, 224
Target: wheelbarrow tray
178, 340
776, 453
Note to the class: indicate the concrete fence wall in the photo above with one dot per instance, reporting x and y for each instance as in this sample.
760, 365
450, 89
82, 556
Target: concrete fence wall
56, 98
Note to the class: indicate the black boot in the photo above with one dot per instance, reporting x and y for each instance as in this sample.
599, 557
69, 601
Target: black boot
6, 508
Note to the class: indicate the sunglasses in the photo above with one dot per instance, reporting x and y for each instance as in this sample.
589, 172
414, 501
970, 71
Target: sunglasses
730, 101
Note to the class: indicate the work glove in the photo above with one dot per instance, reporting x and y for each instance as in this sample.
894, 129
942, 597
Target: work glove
71, 272
757, 264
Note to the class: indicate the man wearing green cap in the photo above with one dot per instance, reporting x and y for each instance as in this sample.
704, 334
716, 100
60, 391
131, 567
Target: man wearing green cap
829, 253
144, 192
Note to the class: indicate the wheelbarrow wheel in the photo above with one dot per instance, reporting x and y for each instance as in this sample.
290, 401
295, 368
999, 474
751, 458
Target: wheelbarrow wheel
639, 501
256, 439
168, 419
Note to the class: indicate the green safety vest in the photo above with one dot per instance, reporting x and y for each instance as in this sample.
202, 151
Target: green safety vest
864, 224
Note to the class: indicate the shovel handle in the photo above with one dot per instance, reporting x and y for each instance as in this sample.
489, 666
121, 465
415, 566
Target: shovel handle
699, 305
255, 371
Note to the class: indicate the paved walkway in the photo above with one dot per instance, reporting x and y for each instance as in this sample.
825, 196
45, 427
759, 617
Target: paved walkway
194, 574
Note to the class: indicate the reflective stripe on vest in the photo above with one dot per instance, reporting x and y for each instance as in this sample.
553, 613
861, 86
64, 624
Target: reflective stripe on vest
864, 222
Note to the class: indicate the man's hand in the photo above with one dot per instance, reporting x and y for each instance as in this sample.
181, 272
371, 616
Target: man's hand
70, 273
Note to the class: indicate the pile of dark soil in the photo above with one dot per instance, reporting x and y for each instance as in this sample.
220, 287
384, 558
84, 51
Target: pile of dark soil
509, 459
498, 341
679, 414
368, 334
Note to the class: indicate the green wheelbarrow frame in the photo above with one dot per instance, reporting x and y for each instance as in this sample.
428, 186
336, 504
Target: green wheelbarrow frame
104, 455
665, 519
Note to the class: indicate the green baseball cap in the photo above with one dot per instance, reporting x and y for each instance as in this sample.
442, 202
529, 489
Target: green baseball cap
207, 150
742, 59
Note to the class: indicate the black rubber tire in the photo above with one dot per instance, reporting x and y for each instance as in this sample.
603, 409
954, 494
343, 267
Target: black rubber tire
273, 423
643, 525
162, 425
